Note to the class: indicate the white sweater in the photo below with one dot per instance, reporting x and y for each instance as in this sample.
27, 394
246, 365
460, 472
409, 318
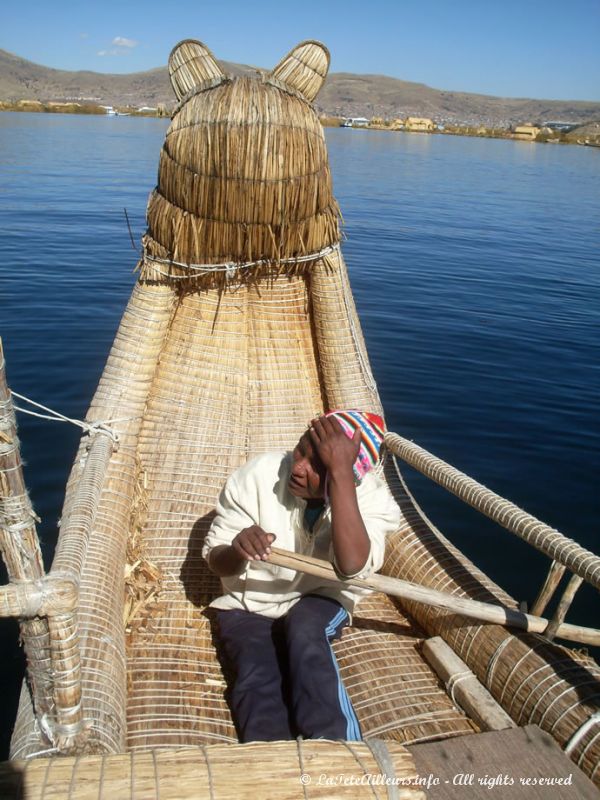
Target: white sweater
257, 494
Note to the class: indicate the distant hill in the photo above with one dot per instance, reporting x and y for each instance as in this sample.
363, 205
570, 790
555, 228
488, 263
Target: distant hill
344, 94
23, 80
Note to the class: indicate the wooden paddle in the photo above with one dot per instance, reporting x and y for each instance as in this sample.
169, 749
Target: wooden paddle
474, 609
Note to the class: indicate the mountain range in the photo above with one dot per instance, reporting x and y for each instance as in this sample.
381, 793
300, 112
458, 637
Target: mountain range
343, 95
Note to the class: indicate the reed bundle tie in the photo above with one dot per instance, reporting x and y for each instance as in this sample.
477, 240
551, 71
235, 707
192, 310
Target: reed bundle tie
91, 428
581, 731
231, 268
454, 680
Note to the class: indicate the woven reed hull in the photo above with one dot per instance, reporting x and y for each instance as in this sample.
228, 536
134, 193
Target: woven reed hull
206, 380
208, 370
260, 770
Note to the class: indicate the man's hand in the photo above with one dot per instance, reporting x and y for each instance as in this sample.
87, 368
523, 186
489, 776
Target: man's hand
253, 543
351, 544
335, 449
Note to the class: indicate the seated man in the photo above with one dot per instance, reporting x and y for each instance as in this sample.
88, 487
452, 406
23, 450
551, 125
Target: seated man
276, 624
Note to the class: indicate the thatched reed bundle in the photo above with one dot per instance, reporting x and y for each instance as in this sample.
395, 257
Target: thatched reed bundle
243, 173
282, 770
241, 328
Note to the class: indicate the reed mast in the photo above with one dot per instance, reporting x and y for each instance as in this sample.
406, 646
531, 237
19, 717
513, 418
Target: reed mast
45, 605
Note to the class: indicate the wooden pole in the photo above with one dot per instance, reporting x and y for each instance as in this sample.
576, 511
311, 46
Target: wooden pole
20, 546
563, 607
464, 687
473, 609
553, 578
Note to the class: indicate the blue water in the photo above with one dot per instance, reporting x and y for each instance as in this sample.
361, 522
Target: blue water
475, 267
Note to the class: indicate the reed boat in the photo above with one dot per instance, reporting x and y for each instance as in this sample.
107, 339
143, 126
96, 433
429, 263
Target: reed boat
242, 327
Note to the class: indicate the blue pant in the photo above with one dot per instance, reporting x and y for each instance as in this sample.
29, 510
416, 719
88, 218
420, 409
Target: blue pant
287, 679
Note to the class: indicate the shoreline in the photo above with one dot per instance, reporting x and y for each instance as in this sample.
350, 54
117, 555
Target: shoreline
84, 109
37, 107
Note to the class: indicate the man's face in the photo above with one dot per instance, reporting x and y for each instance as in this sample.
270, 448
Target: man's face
307, 478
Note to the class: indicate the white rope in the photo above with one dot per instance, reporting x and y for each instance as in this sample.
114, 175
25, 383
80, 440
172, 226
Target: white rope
386, 766
489, 674
100, 426
11, 469
580, 732
455, 679
8, 449
37, 753
231, 267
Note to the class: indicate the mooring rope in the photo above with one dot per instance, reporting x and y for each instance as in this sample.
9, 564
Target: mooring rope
100, 426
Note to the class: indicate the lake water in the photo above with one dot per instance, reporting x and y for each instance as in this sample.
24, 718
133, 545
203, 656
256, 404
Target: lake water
475, 267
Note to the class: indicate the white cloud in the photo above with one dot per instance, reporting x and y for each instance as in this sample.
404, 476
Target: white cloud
121, 47
122, 41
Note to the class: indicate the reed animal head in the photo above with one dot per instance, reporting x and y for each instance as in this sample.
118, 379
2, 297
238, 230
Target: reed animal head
243, 174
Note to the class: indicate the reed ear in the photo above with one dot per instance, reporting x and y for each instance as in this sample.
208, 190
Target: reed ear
191, 63
304, 68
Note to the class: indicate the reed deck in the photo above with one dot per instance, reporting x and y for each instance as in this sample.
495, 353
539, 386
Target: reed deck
483, 764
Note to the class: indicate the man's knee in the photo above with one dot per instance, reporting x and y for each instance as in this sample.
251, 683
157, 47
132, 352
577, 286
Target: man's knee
253, 676
313, 617
248, 646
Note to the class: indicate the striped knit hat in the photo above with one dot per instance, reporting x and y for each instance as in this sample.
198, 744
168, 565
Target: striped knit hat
372, 430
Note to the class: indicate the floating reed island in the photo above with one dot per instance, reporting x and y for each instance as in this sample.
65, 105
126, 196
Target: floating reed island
240, 328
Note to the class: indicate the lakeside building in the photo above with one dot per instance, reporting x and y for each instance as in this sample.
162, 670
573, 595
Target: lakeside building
30, 105
419, 124
526, 132
355, 122
562, 127
52, 105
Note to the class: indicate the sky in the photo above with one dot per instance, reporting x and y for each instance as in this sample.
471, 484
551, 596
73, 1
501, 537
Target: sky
513, 48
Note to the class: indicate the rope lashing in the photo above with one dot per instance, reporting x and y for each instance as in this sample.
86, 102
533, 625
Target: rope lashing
454, 680
230, 268
16, 517
385, 763
100, 426
581, 731
48, 596
549, 541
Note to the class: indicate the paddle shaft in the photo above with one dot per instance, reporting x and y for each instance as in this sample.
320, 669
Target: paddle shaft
474, 609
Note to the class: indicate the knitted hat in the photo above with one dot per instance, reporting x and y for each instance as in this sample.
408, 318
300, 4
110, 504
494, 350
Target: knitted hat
372, 430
